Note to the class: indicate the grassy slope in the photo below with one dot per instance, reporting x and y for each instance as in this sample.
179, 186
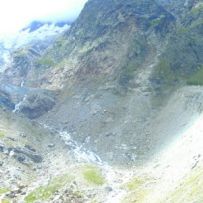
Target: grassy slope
189, 190
183, 57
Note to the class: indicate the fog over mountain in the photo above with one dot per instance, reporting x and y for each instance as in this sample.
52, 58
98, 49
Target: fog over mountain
14, 15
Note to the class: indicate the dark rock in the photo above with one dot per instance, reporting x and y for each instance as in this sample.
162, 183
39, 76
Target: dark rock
51, 145
109, 189
21, 159
11, 138
2, 147
21, 153
33, 156
23, 135
5, 101
30, 148
36, 104
22, 186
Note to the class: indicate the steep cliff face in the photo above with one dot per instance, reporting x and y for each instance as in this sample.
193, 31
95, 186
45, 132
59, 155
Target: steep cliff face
182, 59
108, 56
134, 30
105, 28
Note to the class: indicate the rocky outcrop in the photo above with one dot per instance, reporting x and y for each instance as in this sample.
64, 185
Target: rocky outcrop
21, 154
35, 105
29, 101
5, 101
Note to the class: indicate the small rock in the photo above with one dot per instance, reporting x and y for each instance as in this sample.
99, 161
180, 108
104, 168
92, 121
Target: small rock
22, 135
30, 148
51, 145
11, 138
109, 189
21, 159
22, 186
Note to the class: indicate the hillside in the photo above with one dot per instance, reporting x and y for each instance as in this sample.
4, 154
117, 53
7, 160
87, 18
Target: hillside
117, 98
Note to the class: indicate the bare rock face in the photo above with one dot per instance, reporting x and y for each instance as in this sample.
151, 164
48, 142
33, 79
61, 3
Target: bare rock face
21, 154
29, 101
35, 104
5, 101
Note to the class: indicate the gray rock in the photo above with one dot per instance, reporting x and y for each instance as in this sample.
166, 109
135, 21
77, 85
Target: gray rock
30, 148
36, 104
23, 135
33, 156
2, 147
51, 145
109, 189
21, 159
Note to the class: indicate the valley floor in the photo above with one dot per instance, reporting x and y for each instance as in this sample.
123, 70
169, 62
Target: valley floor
39, 164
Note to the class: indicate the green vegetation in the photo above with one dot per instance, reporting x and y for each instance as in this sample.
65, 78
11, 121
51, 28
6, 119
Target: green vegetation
137, 53
3, 191
136, 183
190, 189
196, 78
45, 61
2, 134
183, 53
155, 22
164, 72
5, 201
137, 196
127, 74
198, 9
93, 175
138, 189
61, 43
45, 192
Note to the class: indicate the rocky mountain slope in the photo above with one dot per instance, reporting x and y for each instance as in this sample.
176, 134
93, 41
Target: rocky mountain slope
111, 106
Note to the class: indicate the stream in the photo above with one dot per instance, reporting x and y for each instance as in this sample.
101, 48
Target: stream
115, 177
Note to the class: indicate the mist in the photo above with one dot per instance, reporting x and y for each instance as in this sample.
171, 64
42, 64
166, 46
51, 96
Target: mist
14, 15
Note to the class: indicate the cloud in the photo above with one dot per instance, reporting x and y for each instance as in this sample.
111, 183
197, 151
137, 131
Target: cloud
15, 14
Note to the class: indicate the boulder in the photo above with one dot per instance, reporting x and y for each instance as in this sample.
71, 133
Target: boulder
36, 104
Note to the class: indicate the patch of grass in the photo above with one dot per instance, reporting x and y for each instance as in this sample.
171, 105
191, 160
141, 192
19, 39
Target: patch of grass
2, 134
136, 196
93, 175
198, 9
196, 78
138, 189
127, 74
135, 183
5, 201
164, 72
45, 192
45, 61
189, 190
195, 24
3, 190
155, 22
